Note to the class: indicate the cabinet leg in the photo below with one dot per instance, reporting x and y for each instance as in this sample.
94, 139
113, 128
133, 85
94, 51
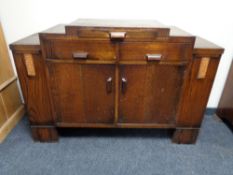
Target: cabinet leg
44, 133
185, 135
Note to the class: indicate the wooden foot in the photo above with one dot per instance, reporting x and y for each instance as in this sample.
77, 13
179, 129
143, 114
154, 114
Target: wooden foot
44, 133
185, 136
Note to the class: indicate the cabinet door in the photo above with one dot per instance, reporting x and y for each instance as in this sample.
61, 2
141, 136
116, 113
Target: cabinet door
82, 93
150, 93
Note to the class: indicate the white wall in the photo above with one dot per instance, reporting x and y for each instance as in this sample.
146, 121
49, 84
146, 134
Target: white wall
211, 19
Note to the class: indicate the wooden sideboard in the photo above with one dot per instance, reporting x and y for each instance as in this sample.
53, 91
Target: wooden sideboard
116, 74
225, 106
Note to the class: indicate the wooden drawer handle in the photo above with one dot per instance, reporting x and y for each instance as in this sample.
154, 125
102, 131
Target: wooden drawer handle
80, 55
109, 85
123, 85
117, 35
153, 57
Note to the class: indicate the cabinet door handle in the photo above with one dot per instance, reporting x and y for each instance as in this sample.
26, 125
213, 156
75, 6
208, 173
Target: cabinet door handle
117, 35
109, 85
153, 57
123, 85
80, 55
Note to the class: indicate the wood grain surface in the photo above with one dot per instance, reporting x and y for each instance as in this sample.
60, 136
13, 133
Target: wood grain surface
85, 79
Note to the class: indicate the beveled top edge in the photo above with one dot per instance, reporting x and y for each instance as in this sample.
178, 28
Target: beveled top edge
117, 23
200, 43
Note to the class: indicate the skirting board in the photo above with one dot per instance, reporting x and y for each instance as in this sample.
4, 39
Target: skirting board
11, 122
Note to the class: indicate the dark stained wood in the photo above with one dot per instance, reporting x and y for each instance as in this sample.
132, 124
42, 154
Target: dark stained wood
32, 42
76, 61
35, 91
86, 100
44, 133
130, 34
225, 106
202, 46
118, 125
66, 49
138, 30
158, 88
185, 136
196, 93
85, 78
169, 51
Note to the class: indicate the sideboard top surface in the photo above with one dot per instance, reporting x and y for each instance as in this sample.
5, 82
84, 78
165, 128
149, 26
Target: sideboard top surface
200, 43
118, 23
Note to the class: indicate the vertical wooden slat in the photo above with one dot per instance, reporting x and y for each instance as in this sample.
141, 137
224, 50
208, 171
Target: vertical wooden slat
29, 63
116, 94
117, 77
203, 67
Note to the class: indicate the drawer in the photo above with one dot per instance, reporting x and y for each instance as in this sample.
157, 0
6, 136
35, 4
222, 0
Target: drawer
81, 50
116, 33
155, 51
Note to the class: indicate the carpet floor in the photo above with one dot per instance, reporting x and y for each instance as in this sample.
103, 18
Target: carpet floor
119, 152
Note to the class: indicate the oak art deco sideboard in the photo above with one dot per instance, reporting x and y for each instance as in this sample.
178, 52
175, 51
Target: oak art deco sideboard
115, 74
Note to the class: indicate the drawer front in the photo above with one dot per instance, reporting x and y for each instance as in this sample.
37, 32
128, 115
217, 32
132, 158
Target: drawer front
126, 34
82, 50
152, 51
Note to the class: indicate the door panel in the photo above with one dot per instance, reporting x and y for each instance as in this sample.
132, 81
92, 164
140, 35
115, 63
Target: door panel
151, 93
80, 93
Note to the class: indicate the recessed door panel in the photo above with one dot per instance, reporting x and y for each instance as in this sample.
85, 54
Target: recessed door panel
82, 93
150, 93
